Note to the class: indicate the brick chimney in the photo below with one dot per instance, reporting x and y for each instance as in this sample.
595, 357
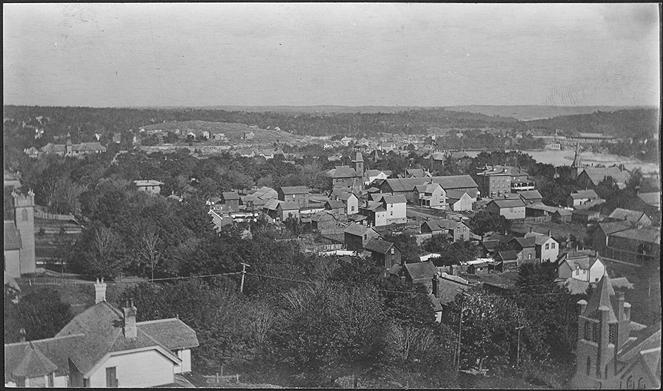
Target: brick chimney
99, 291
129, 313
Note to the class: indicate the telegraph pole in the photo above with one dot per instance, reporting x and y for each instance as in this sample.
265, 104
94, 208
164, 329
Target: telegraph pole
241, 286
518, 351
460, 329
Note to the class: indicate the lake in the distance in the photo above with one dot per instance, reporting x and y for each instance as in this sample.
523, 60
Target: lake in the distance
565, 158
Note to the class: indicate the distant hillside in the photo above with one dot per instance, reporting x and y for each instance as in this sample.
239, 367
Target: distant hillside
528, 113
310, 109
642, 123
234, 131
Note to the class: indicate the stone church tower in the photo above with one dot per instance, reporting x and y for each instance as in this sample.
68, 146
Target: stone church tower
24, 219
358, 181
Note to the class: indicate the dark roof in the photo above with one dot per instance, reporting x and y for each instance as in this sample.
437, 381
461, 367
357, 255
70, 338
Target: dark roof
525, 242
513, 203
585, 212
33, 363
335, 204
447, 183
597, 174
171, 333
421, 270
581, 194
12, 236
563, 212
600, 299
455, 194
441, 224
294, 189
378, 246
448, 289
230, 195
508, 255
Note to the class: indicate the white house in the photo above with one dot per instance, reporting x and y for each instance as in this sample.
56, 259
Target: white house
395, 205
148, 185
104, 346
372, 175
350, 201
459, 200
583, 268
547, 248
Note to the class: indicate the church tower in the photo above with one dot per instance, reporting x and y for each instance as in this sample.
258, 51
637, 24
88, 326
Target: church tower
601, 332
359, 172
24, 219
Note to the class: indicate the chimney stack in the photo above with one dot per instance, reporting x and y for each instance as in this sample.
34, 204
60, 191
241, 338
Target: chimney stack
129, 328
550, 233
99, 291
436, 286
627, 311
620, 305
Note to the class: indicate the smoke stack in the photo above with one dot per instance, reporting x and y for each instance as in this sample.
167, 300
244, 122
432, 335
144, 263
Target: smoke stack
129, 328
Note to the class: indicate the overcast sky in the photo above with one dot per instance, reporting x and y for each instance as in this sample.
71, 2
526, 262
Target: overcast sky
330, 54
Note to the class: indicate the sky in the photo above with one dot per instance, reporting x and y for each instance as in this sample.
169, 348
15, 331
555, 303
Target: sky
392, 54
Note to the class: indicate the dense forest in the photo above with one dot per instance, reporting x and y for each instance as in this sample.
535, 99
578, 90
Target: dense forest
636, 123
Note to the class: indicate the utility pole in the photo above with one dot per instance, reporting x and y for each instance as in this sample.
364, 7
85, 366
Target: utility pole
518, 351
460, 328
241, 286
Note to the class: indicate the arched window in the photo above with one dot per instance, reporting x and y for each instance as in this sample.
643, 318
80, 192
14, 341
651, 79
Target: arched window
629, 383
641, 384
588, 331
589, 365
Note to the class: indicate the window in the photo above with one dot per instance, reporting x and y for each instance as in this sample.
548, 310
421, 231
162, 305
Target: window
529, 256
595, 332
391, 251
552, 245
589, 365
50, 380
629, 383
547, 246
588, 331
86, 382
641, 384
352, 208
391, 213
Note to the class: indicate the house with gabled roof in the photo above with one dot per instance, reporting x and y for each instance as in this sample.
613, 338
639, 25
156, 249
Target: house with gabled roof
297, 194
581, 197
546, 248
592, 176
459, 200
384, 254
511, 209
287, 209
530, 196
613, 351
231, 200
104, 346
635, 217
356, 236
453, 229
375, 212
525, 248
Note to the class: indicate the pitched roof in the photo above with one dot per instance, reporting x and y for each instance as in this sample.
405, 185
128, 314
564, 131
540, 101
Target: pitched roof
101, 326
171, 333
563, 212
455, 194
598, 174
342, 172
33, 363
581, 194
378, 246
525, 242
591, 204
600, 300
356, 229
530, 195
503, 170
415, 172
230, 195
441, 224
614, 226
12, 236
421, 270
288, 205
455, 182
449, 288
645, 234
394, 199
632, 216
56, 350
508, 255
335, 204
502, 203
294, 189
542, 206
